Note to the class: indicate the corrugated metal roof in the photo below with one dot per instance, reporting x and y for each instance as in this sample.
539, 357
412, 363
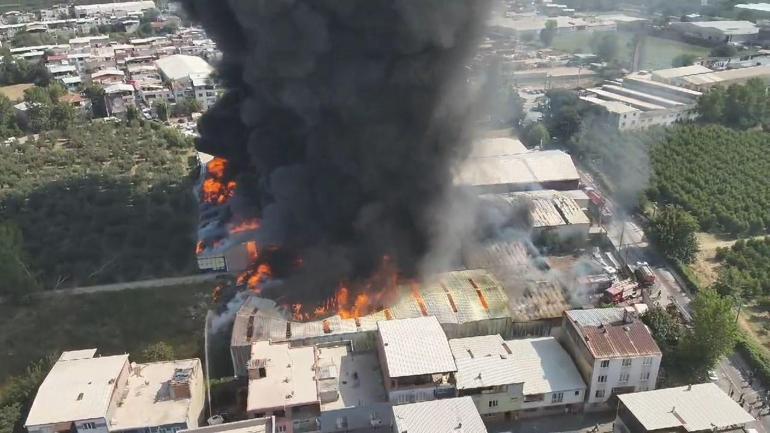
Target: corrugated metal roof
701, 407
415, 346
596, 316
622, 340
521, 169
450, 415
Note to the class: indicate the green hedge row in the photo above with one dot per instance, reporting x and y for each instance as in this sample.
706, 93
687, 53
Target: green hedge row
755, 355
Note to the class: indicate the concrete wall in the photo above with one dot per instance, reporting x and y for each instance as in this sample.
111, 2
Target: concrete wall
613, 374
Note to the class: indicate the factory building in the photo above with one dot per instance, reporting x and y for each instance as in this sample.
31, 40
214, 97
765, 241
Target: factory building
88, 394
640, 101
532, 170
699, 408
613, 350
703, 82
717, 32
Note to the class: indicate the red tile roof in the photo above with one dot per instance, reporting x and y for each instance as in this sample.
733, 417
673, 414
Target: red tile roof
620, 340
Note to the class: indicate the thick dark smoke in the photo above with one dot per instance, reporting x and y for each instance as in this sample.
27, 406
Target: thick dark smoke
345, 118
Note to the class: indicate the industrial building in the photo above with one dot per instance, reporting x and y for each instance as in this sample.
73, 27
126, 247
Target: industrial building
119, 9
86, 393
549, 169
725, 78
547, 211
699, 408
452, 415
717, 32
639, 101
614, 351
466, 303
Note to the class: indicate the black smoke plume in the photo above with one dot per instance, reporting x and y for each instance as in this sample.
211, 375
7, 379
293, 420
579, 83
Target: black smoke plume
345, 119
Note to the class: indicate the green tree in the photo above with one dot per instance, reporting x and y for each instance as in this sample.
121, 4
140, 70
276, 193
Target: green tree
548, 33
713, 334
664, 326
674, 229
18, 280
562, 114
711, 105
96, 95
536, 134
186, 107
161, 109
684, 59
10, 416
160, 351
606, 46
132, 114
724, 50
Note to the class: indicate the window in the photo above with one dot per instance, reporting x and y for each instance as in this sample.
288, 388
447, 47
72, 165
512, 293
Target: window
534, 397
645, 376
88, 426
281, 428
577, 392
602, 378
623, 378
599, 393
605, 363
647, 361
557, 397
492, 403
627, 362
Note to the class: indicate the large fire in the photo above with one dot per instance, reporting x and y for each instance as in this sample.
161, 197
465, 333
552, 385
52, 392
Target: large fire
216, 189
245, 226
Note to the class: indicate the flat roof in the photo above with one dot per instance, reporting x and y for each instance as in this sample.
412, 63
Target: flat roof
415, 347
355, 376
700, 407
450, 415
728, 75
178, 66
636, 103
77, 354
496, 147
533, 167
760, 7
289, 380
731, 27
377, 417
76, 389
256, 425
544, 366
148, 401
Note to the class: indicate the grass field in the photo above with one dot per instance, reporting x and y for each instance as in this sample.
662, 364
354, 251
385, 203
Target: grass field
658, 52
119, 322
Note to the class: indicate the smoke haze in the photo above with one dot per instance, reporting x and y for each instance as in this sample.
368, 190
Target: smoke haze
343, 120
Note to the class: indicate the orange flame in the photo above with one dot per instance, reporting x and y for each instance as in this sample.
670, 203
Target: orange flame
200, 248
245, 226
215, 189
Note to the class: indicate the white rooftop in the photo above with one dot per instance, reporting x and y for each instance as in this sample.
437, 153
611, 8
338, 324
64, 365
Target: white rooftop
179, 66
681, 71
148, 401
108, 71
702, 407
483, 361
611, 106
760, 7
77, 354
496, 147
727, 27
256, 425
290, 378
118, 87
76, 388
452, 415
544, 366
522, 169
415, 346
355, 375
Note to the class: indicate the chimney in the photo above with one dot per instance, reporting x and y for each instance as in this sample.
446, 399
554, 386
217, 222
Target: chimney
256, 368
179, 385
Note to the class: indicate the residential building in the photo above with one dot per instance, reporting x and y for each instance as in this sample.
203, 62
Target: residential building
613, 350
88, 394
717, 31
119, 97
188, 78
451, 415
255, 425
533, 170
415, 368
296, 385
108, 76
552, 383
701, 408
517, 378
119, 9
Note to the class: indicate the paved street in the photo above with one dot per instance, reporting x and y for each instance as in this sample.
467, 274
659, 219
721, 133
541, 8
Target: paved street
733, 374
583, 423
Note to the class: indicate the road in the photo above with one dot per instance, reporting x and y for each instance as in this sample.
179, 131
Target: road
733, 374
132, 285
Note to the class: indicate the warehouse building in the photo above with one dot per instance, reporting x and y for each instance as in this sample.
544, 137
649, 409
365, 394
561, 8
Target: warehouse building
533, 170
699, 408
703, 82
613, 350
718, 32
547, 211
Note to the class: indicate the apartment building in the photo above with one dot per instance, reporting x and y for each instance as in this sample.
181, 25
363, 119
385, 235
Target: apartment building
613, 350
85, 393
453, 415
415, 369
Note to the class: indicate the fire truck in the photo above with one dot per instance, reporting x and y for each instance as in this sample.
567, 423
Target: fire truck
621, 291
644, 274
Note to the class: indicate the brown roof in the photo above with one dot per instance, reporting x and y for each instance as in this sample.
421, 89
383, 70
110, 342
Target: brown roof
621, 340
